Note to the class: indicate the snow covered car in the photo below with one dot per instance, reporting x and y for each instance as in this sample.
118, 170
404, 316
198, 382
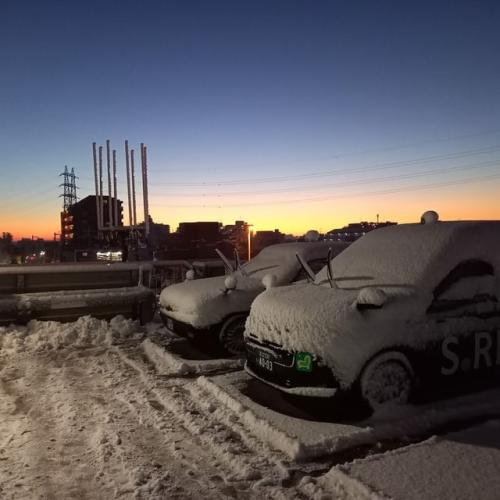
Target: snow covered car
219, 305
404, 308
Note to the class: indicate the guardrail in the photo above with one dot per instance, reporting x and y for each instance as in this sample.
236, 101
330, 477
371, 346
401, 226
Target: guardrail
57, 277
67, 291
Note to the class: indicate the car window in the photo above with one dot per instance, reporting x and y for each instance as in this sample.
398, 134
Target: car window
470, 282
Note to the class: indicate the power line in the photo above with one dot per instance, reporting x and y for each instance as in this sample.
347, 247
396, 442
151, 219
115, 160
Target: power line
409, 175
341, 196
327, 173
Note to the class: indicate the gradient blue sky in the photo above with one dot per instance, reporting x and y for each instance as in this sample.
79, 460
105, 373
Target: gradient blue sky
250, 90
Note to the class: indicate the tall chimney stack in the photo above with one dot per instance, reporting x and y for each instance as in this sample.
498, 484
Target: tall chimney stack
115, 192
134, 207
108, 162
101, 202
127, 164
144, 162
94, 156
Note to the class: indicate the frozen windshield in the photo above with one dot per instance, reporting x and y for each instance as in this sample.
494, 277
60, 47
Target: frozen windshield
397, 255
262, 264
281, 260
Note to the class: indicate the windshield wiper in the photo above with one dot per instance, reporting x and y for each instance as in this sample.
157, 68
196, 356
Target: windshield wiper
227, 265
305, 266
329, 273
238, 262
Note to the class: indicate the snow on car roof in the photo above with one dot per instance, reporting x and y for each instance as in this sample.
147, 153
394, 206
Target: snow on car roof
414, 254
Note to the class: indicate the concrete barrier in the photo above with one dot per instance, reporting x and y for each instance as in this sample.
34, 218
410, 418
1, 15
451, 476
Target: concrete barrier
64, 292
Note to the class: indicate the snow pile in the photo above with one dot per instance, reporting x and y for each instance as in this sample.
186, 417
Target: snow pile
168, 363
457, 466
48, 335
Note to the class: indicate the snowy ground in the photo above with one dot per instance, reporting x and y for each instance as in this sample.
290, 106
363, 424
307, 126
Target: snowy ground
173, 355
457, 466
84, 416
308, 438
85, 413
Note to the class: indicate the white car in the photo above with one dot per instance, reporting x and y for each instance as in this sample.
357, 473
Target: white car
404, 308
218, 306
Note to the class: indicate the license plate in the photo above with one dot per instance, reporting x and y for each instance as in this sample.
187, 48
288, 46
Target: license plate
170, 324
265, 363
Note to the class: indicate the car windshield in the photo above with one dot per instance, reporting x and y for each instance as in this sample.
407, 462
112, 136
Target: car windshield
393, 256
262, 264
279, 260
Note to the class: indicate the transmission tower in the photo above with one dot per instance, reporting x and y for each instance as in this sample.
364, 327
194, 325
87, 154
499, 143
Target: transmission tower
69, 184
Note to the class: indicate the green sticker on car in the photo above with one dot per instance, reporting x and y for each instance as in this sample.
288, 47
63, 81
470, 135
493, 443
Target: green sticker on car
303, 362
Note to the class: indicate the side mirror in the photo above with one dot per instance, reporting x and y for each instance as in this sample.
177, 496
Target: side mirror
230, 283
269, 281
370, 298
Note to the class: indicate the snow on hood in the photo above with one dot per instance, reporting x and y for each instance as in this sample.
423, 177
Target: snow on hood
326, 322
300, 317
203, 303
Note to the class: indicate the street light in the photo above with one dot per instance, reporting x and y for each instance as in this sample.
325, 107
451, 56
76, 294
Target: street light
249, 240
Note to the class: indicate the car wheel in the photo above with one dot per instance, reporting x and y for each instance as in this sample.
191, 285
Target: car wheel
387, 379
231, 334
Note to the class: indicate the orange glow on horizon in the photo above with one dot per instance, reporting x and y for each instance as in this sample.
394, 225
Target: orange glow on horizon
464, 202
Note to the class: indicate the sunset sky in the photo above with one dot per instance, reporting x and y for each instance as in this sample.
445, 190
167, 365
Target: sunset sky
288, 114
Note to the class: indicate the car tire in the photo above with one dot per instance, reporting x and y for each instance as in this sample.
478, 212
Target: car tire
387, 379
231, 334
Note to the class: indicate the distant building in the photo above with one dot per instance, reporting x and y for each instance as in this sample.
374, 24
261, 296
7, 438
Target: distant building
79, 222
199, 232
158, 234
194, 240
79, 231
353, 231
237, 235
262, 239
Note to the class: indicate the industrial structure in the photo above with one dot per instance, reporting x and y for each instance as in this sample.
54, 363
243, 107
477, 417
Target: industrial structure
69, 199
108, 227
94, 226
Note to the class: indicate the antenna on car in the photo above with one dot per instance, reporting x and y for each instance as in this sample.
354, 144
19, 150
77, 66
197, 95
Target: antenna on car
329, 273
227, 264
305, 266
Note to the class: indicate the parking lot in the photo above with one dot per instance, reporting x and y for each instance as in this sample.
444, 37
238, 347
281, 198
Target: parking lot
89, 413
